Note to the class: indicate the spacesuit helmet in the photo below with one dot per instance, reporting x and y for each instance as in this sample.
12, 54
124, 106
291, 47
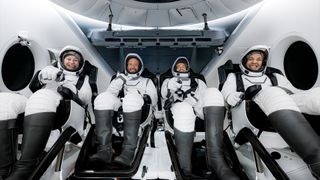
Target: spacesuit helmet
177, 71
129, 72
68, 51
258, 49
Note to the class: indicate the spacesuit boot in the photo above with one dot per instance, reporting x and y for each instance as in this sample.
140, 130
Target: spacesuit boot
8, 149
214, 117
300, 136
184, 143
104, 137
131, 129
36, 131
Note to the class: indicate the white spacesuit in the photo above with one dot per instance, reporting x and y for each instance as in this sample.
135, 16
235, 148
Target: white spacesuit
281, 102
190, 98
11, 106
135, 88
41, 107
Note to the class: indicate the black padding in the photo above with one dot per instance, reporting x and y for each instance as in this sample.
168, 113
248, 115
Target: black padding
146, 99
35, 83
257, 117
62, 114
147, 74
252, 91
67, 94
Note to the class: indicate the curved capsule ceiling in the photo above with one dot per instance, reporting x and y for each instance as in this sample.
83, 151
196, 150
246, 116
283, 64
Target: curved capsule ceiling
155, 13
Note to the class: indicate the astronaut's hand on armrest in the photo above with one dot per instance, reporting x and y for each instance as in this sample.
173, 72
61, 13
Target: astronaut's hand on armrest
70, 86
251, 91
146, 99
235, 98
68, 94
65, 92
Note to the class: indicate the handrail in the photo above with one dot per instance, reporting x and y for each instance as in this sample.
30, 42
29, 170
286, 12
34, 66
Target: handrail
246, 134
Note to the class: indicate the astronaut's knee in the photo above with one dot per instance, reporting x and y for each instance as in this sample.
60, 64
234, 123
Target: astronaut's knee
184, 117
213, 97
44, 100
106, 101
133, 101
11, 105
273, 99
272, 92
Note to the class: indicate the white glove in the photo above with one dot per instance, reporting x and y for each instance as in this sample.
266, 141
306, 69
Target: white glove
119, 81
49, 74
122, 76
174, 85
234, 98
116, 84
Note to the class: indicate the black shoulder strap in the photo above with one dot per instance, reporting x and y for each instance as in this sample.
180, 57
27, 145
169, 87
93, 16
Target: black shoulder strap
80, 82
193, 87
147, 74
193, 84
164, 76
239, 82
273, 79
93, 81
270, 73
197, 76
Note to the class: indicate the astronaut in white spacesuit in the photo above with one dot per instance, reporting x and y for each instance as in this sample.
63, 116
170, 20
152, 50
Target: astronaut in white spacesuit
40, 109
280, 101
190, 98
137, 90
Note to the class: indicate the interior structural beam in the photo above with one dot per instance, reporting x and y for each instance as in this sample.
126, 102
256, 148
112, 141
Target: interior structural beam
147, 38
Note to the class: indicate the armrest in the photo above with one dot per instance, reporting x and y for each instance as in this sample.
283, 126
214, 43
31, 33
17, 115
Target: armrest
252, 91
66, 93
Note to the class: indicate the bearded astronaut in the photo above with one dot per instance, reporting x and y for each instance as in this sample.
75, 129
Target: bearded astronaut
190, 98
280, 101
136, 90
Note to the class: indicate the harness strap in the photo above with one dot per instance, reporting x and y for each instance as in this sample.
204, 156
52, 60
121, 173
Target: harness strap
193, 88
269, 72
